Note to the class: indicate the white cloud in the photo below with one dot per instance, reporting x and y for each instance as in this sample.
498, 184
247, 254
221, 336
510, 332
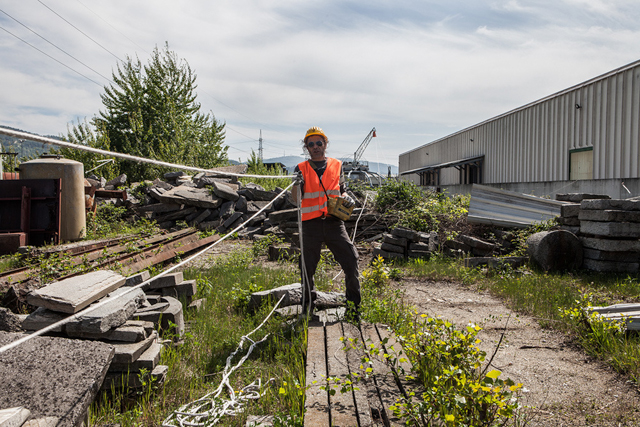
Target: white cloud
415, 71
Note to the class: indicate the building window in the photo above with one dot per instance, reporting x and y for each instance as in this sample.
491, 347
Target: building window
581, 164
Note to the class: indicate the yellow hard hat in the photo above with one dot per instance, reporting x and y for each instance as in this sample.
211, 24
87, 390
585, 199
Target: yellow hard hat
315, 130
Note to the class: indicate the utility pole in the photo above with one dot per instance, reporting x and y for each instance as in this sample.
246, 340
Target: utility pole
260, 146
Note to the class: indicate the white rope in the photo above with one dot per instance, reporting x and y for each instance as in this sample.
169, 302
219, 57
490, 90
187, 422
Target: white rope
45, 140
208, 410
165, 272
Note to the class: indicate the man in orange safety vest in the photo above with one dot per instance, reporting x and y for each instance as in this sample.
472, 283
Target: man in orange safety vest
320, 178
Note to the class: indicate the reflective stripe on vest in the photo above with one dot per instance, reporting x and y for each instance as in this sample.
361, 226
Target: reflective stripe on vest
314, 200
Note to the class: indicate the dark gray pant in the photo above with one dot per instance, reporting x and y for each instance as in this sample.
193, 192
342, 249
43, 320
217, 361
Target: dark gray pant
331, 231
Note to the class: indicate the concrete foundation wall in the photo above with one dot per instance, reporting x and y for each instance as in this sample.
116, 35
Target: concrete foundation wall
611, 187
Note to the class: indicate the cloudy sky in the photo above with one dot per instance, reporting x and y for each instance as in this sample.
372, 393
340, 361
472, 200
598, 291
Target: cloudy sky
415, 70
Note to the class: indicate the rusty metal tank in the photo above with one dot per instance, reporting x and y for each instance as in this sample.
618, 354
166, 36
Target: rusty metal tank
73, 219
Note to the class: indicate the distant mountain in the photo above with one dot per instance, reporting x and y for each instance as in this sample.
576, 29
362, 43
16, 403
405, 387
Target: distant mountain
291, 161
26, 149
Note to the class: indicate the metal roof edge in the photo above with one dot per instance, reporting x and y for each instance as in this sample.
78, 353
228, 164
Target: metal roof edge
562, 92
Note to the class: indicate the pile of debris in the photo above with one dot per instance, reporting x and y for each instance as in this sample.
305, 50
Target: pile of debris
219, 202
126, 321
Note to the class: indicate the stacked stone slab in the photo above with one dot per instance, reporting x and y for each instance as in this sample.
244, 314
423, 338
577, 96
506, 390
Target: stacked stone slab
568, 218
129, 322
610, 233
403, 243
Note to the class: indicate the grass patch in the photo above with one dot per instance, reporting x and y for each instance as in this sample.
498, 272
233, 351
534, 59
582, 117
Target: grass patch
212, 335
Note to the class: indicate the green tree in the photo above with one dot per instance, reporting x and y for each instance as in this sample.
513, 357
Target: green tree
151, 111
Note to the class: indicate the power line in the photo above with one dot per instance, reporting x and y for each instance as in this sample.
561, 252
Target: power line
82, 32
44, 53
52, 44
107, 22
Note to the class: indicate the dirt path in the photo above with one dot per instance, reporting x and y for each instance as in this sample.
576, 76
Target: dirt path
563, 386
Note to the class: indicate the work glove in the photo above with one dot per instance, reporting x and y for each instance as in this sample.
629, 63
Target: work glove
299, 180
348, 201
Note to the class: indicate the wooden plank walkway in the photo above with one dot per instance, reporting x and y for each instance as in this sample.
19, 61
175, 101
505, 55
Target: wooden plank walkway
368, 406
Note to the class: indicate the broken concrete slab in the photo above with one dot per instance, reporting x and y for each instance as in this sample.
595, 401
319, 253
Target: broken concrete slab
411, 235
191, 196
122, 304
611, 256
326, 300
609, 215
278, 217
611, 245
614, 204
127, 353
418, 254
611, 229
556, 250
53, 377
570, 210
579, 197
171, 279
41, 318
73, 294
171, 318
388, 247
394, 240
386, 255
224, 191
611, 266
197, 305
292, 295
147, 360
129, 332
14, 417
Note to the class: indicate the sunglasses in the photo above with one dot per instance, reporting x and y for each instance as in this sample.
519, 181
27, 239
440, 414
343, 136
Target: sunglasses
317, 143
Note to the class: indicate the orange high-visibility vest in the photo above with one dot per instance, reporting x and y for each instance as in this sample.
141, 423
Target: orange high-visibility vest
314, 201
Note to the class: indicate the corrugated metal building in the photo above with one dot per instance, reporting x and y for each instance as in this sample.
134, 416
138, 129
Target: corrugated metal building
582, 139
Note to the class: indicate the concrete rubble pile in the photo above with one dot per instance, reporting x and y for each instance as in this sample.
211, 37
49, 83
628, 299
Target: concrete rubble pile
609, 230
215, 202
129, 325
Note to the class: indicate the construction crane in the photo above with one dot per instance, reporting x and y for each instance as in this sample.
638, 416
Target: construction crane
357, 171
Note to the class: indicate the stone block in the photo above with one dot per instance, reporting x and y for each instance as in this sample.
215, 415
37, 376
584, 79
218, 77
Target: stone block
556, 250
43, 422
226, 210
171, 279
230, 222
190, 196
14, 417
129, 332
611, 229
611, 256
148, 360
326, 300
197, 305
612, 204
434, 241
609, 215
571, 222
121, 304
611, 245
570, 210
203, 215
10, 322
127, 353
10, 242
54, 377
388, 247
410, 235
457, 246
611, 266
393, 240
292, 295
419, 246
73, 294
476, 243
171, 313
136, 279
